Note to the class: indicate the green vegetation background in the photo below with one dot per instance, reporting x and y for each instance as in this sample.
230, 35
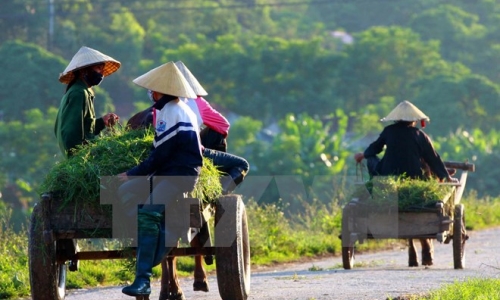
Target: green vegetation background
304, 84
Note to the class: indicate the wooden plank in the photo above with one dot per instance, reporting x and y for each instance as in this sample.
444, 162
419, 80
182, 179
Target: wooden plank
129, 253
460, 165
460, 190
399, 225
83, 220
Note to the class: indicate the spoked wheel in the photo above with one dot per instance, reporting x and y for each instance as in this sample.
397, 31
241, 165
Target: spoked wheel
347, 243
47, 275
459, 237
232, 252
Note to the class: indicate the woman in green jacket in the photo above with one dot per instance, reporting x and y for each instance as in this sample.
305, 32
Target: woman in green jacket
76, 122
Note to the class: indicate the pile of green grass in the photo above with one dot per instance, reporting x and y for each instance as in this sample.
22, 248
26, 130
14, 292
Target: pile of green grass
79, 179
410, 194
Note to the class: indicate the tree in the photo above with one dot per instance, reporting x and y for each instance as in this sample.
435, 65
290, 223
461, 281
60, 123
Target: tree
458, 31
383, 61
276, 76
478, 147
24, 20
29, 79
305, 155
28, 150
455, 100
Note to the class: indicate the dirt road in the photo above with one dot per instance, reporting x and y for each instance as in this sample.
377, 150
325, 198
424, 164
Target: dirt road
375, 276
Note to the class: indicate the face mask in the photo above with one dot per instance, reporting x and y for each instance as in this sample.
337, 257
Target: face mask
93, 78
150, 95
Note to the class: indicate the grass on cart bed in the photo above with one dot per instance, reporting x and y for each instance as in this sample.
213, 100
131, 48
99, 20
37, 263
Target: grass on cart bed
77, 180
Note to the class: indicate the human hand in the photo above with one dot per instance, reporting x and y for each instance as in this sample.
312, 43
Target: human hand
452, 180
123, 176
110, 119
359, 157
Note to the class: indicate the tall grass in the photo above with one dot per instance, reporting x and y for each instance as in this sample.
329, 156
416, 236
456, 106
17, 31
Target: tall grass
14, 276
472, 289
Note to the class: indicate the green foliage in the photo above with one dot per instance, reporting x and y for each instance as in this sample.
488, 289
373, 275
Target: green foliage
478, 147
79, 179
453, 27
384, 61
14, 277
28, 84
467, 101
27, 150
276, 238
390, 192
476, 288
481, 212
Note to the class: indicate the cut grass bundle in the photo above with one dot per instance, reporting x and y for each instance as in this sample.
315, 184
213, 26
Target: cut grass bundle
386, 192
77, 180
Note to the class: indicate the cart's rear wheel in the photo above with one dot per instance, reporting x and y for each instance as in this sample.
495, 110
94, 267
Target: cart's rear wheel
347, 244
47, 275
459, 237
232, 252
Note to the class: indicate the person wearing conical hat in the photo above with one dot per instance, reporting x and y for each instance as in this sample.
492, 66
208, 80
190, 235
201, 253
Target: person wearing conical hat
408, 151
214, 135
175, 162
76, 122
406, 146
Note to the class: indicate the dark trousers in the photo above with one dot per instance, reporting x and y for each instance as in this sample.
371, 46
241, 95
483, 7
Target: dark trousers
234, 166
211, 139
372, 164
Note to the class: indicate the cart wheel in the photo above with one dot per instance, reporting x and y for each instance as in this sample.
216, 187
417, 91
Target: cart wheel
459, 237
47, 275
347, 244
232, 252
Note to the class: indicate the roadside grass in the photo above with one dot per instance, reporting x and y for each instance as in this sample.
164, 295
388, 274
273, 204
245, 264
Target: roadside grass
14, 276
470, 289
481, 213
274, 238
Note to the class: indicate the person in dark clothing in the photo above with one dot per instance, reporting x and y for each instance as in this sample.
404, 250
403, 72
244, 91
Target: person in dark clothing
408, 152
406, 147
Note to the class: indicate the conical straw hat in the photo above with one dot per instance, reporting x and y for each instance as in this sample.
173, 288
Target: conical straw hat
166, 79
405, 111
193, 82
86, 57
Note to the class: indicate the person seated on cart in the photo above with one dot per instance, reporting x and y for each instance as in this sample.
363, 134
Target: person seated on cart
213, 142
175, 161
215, 129
408, 151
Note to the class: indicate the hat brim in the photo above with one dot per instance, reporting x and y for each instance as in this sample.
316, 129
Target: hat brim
166, 79
405, 111
86, 57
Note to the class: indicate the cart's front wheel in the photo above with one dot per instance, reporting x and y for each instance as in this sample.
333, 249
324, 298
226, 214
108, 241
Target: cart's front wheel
232, 252
47, 275
347, 243
459, 237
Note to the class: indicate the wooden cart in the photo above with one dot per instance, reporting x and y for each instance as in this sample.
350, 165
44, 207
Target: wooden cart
55, 229
360, 223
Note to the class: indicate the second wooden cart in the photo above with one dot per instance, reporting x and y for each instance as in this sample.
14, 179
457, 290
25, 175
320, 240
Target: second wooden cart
360, 222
